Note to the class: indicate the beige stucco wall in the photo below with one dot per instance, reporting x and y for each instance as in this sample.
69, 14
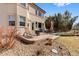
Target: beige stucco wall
6, 9
34, 18
21, 11
31, 10
17, 10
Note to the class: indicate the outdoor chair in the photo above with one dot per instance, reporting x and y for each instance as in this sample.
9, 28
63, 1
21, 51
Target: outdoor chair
27, 35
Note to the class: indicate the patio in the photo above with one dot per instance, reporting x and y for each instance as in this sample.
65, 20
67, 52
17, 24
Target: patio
43, 36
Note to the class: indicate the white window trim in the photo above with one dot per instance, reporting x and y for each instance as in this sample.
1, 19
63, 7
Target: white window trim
11, 19
23, 21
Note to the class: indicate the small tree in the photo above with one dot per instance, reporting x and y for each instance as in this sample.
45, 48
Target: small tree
7, 37
61, 22
48, 23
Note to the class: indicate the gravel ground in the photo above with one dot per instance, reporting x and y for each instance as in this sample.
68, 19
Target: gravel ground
39, 48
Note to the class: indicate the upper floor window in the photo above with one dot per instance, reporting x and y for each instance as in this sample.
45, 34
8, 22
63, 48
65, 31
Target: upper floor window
11, 20
36, 12
22, 20
39, 14
42, 15
24, 4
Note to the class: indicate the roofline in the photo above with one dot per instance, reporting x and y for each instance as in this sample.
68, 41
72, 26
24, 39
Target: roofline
38, 7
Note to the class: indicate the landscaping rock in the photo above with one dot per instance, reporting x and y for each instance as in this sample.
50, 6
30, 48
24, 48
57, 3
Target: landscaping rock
36, 49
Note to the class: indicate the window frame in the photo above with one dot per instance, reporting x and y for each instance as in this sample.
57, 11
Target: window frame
36, 12
22, 22
40, 14
11, 20
36, 24
23, 4
32, 25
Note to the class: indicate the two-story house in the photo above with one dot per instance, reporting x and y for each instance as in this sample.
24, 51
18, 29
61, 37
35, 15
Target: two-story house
21, 16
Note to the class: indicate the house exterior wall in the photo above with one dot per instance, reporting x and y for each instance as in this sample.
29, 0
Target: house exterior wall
33, 18
21, 11
6, 9
18, 10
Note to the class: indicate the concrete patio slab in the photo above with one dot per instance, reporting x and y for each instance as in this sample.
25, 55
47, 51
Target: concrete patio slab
40, 37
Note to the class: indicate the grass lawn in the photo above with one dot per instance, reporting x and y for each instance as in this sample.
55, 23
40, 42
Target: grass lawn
71, 42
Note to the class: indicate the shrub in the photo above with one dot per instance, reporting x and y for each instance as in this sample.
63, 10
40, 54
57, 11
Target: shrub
8, 37
11, 36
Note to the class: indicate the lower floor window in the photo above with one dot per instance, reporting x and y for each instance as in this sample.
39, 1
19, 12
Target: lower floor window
22, 23
36, 24
11, 23
11, 20
39, 25
32, 26
22, 20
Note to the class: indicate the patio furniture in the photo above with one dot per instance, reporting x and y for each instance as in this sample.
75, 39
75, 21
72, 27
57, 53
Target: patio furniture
37, 32
27, 35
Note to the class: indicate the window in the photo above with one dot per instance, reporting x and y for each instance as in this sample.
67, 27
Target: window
1, 21
32, 26
39, 25
11, 20
36, 24
24, 4
36, 12
39, 14
42, 15
22, 20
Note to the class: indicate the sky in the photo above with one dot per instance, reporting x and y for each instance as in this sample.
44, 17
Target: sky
52, 8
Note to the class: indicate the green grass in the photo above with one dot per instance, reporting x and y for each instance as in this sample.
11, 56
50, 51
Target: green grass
71, 42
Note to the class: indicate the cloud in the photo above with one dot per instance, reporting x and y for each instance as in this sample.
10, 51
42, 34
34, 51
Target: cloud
61, 4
